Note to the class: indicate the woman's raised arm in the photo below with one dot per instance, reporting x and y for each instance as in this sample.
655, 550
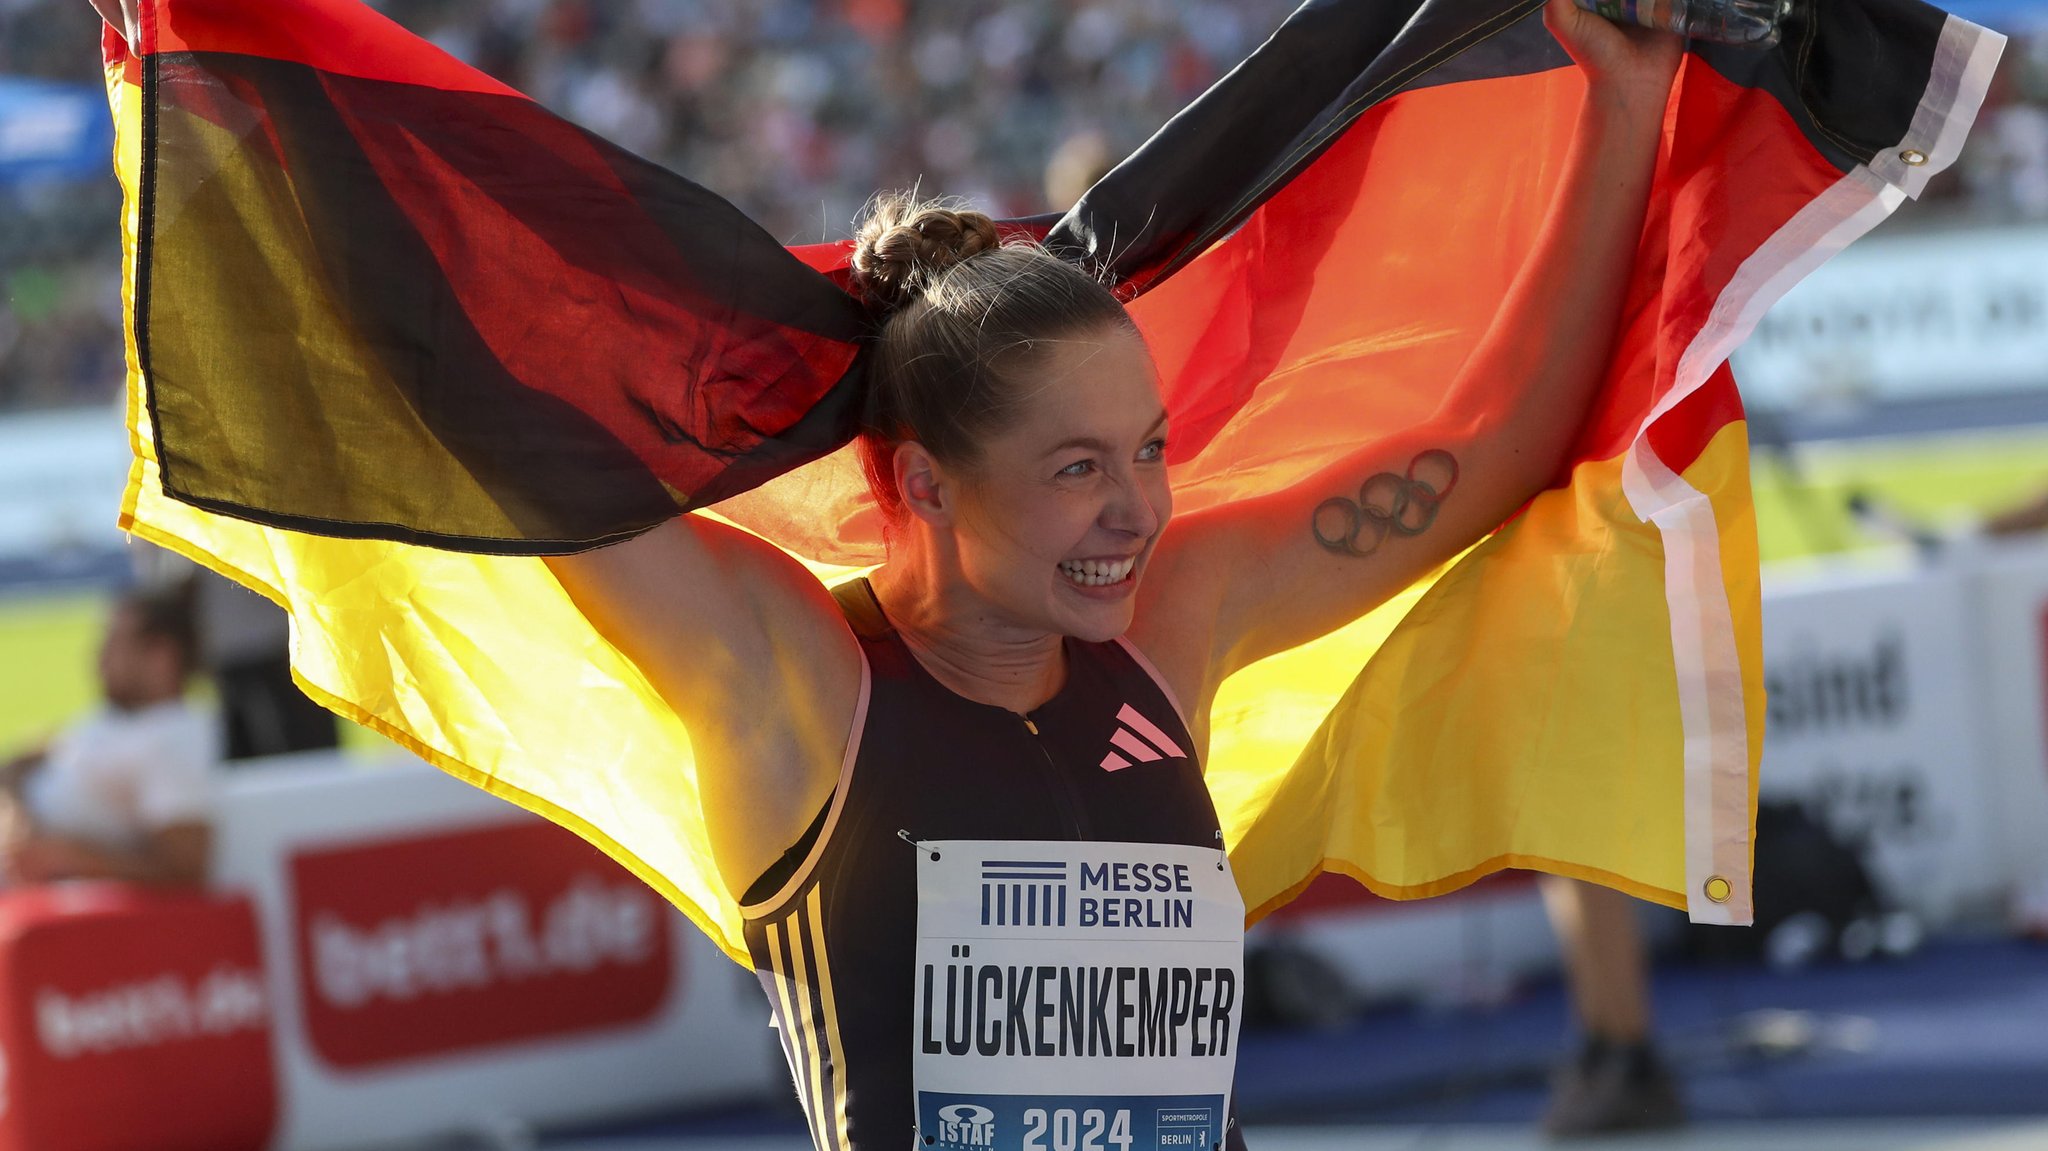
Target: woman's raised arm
750, 649
1283, 569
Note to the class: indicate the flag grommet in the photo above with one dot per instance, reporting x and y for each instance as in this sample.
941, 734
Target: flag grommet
1718, 889
1913, 156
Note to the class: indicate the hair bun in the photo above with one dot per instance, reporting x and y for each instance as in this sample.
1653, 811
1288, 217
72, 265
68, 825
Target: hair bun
903, 244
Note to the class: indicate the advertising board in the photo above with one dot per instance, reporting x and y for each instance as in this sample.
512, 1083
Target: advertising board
1876, 725
472, 939
130, 1020
1907, 319
445, 965
2012, 598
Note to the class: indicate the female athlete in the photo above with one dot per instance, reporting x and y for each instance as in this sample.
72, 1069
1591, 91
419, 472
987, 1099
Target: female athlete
1035, 662
961, 800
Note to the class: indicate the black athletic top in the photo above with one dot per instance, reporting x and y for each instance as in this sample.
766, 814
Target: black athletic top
832, 927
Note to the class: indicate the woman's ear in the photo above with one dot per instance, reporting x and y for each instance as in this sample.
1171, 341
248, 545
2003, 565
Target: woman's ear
926, 492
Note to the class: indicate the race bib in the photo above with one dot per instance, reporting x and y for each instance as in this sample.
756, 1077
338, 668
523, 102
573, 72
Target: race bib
1075, 996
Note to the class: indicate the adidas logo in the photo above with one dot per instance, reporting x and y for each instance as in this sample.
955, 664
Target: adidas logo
1140, 739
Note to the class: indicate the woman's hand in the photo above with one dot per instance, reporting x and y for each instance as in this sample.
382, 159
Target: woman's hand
123, 15
1628, 67
1298, 563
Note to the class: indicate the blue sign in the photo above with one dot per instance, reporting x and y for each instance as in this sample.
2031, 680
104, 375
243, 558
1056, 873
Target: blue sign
2008, 16
51, 131
950, 1122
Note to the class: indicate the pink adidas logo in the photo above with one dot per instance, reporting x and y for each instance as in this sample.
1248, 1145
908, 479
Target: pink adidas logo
1139, 738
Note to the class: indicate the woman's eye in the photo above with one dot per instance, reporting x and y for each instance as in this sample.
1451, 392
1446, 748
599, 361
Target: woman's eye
1078, 468
1156, 450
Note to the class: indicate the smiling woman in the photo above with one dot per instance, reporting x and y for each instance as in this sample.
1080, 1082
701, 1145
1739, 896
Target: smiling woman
1433, 299
1064, 503
1015, 438
1040, 611
1010, 387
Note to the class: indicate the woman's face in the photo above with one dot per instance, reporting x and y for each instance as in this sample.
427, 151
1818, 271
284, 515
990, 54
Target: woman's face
1061, 513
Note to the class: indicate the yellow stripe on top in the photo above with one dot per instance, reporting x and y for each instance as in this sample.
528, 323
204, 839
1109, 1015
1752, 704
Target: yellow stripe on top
814, 1102
792, 1026
829, 1022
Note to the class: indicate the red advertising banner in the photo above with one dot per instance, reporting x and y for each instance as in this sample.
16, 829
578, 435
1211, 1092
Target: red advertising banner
431, 944
132, 1020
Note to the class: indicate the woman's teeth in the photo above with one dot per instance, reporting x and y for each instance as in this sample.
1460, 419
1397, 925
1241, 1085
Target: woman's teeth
1097, 573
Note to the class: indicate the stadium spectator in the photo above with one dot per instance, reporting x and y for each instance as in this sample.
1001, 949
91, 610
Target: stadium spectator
2020, 519
126, 792
1079, 161
244, 645
1616, 1080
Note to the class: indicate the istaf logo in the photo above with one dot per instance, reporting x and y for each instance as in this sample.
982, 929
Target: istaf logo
418, 946
966, 1125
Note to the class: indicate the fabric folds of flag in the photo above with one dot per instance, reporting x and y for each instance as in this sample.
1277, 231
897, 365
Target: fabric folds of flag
397, 330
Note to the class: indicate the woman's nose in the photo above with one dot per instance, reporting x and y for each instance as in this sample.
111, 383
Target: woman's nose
1131, 509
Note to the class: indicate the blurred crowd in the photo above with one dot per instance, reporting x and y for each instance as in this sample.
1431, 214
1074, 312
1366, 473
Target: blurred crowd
796, 110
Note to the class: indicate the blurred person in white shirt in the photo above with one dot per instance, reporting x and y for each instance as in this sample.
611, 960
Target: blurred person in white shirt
126, 791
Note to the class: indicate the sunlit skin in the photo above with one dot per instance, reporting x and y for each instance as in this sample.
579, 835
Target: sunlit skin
974, 581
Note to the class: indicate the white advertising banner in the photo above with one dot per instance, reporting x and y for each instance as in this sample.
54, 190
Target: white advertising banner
1875, 724
1075, 996
1907, 318
2012, 598
59, 473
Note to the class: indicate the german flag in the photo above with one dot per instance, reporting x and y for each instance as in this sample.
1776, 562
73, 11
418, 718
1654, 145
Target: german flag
397, 330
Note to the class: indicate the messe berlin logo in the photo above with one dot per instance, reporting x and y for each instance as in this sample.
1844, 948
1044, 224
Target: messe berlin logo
1023, 893
1112, 893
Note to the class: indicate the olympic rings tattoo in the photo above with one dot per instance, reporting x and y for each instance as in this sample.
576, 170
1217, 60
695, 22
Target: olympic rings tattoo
1387, 504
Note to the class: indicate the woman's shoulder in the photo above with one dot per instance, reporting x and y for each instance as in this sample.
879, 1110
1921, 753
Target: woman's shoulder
1173, 629
752, 652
